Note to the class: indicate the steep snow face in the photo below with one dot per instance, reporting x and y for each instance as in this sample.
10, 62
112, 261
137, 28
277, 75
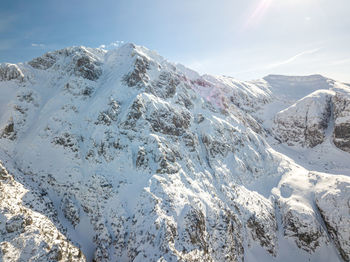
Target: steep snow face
147, 160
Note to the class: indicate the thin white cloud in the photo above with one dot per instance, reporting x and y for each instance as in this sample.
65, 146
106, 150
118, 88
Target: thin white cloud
293, 58
264, 68
38, 45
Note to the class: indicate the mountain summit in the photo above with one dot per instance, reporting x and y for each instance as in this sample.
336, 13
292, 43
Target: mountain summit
121, 155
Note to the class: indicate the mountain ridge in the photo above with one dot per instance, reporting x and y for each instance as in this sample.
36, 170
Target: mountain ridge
148, 160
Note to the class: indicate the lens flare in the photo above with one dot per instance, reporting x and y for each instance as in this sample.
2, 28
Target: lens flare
258, 13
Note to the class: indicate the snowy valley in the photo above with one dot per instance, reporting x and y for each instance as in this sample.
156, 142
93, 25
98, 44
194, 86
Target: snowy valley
121, 155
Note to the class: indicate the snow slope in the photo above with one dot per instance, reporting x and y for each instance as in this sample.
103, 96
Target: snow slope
146, 160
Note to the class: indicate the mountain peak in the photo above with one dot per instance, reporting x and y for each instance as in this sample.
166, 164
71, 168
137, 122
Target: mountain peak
135, 158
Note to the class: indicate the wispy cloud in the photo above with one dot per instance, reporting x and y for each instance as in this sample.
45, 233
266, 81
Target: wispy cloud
293, 58
38, 45
264, 68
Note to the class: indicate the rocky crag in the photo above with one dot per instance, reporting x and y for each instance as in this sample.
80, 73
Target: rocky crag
120, 155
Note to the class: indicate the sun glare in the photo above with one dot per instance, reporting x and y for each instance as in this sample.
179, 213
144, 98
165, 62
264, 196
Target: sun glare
257, 13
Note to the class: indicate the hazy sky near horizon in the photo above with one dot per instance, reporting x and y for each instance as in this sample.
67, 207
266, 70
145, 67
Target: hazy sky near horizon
244, 39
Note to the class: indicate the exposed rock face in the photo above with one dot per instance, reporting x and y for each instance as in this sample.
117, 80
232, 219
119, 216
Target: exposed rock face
165, 85
87, 68
304, 228
81, 62
169, 121
309, 224
138, 75
44, 62
28, 235
70, 210
10, 72
9, 130
305, 122
137, 159
334, 207
341, 135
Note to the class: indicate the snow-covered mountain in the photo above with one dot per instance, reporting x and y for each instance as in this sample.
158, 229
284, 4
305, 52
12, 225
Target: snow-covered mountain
121, 155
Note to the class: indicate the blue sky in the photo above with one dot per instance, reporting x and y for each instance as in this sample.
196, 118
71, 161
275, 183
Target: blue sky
244, 39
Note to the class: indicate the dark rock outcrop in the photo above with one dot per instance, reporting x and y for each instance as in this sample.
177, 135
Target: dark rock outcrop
341, 135
10, 72
44, 62
305, 122
76, 60
138, 75
334, 208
